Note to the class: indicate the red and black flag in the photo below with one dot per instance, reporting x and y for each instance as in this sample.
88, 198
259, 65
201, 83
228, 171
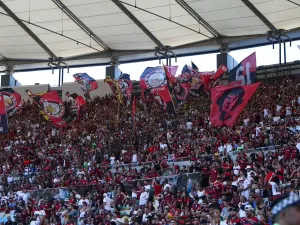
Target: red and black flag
244, 73
51, 107
77, 103
87, 83
13, 100
126, 86
171, 81
209, 79
155, 80
183, 86
228, 103
3, 116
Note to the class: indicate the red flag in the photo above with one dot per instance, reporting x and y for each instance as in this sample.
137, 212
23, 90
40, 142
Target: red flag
229, 102
220, 71
170, 73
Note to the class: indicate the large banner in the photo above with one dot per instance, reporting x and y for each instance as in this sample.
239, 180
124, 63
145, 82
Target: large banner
228, 103
126, 86
115, 88
244, 73
3, 116
12, 99
155, 80
51, 107
87, 83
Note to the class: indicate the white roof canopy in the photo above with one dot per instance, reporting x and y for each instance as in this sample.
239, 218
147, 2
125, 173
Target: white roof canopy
81, 32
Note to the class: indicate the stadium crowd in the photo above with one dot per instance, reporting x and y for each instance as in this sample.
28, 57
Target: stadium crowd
158, 169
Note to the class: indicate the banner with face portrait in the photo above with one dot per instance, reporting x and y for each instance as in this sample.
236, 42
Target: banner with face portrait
12, 99
51, 107
244, 73
126, 86
228, 103
154, 79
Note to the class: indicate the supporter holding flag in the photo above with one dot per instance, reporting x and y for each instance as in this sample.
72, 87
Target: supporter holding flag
77, 103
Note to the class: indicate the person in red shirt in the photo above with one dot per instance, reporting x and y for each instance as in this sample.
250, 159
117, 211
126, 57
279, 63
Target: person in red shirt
211, 191
287, 154
213, 174
157, 188
120, 197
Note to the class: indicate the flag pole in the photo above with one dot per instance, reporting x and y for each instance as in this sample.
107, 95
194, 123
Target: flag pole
118, 110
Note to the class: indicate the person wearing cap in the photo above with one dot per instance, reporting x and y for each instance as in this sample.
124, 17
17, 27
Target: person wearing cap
250, 218
286, 209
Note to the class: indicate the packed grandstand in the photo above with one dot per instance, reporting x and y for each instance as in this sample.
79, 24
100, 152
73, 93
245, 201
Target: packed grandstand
201, 148
163, 169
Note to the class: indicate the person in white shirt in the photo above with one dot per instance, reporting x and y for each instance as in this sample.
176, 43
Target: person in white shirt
107, 202
112, 159
249, 171
144, 197
247, 186
221, 149
134, 158
146, 216
228, 147
189, 125
266, 112
288, 111
298, 145
236, 169
275, 183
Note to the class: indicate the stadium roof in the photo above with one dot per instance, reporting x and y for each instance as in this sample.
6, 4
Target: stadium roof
83, 32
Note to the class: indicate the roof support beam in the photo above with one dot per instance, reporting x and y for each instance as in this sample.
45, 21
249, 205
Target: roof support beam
198, 18
85, 28
259, 15
138, 23
26, 29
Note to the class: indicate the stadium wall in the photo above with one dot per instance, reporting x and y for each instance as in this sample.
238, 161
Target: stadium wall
71, 87
33, 88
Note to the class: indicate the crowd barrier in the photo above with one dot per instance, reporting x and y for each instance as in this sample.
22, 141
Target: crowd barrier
176, 181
